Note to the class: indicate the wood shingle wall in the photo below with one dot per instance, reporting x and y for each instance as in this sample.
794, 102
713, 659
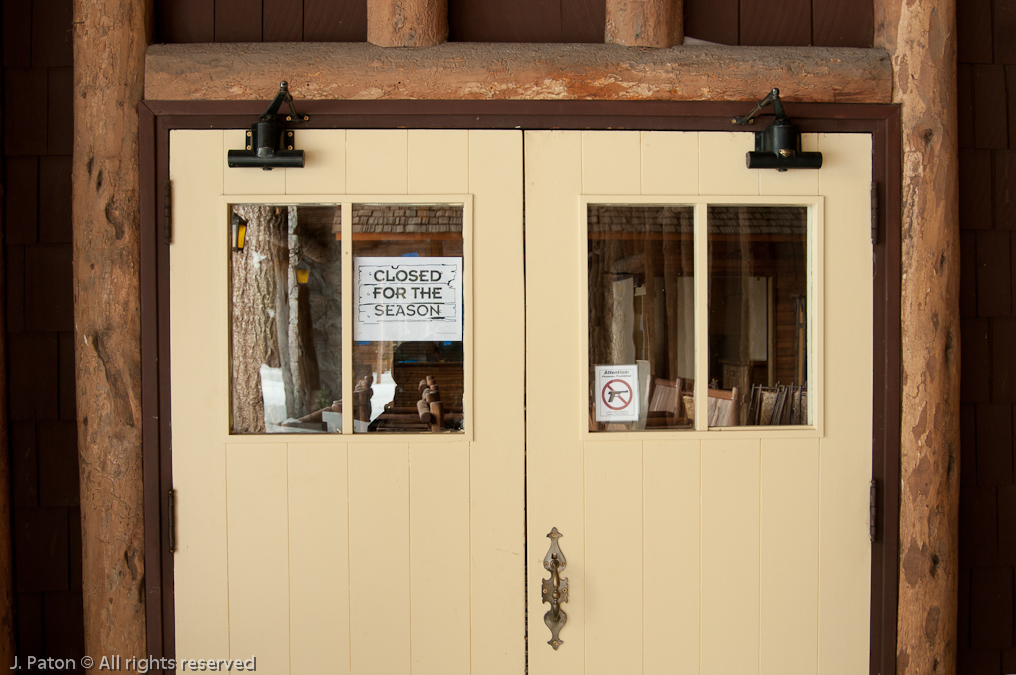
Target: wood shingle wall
987, 127
37, 139
826, 23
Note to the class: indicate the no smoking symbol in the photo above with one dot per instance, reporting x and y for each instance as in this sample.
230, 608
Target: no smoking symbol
616, 398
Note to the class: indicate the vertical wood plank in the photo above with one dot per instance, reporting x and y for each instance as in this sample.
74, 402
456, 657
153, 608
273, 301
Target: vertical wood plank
670, 162
438, 161
613, 557
495, 21
721, 164
845, 456
712, 20
183, 21
841, 23
760, 25
730, 557
238, 20
330, 21
672, 579
258, 540
991, 130
379, 565
497, 454
789, 557
325, 167
282, 21
318, 558
377, 161
844, 558
582, 20
554, 451
439, 556
199, 459
611, 163
246, 181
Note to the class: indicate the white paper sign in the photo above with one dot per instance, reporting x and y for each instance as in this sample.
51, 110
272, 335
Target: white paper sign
617, 393
408, 299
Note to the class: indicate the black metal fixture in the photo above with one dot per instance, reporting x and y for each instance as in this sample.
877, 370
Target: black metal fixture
779, 146
269, 143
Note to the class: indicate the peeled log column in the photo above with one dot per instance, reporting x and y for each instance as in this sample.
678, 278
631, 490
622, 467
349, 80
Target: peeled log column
407, 23
645, 23
109, 58
920, 36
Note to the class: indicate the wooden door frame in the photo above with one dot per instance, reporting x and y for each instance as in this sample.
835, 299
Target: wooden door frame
158, 118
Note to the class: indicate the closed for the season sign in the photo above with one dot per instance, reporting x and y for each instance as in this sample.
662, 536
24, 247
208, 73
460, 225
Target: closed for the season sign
408, 299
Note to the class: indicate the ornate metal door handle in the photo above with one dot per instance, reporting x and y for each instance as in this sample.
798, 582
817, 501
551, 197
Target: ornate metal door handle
555, 589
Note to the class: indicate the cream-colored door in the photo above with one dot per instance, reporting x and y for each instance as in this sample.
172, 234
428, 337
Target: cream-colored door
709, 550
351, 553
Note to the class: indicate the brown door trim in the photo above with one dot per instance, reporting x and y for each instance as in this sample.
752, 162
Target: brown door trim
158, 118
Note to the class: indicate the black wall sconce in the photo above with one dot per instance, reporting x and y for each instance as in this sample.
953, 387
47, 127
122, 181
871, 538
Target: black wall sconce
269, 143
779, 146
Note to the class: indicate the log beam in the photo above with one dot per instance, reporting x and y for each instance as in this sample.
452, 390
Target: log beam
644, 23
407, 23
109, 46
920, 36
477, 71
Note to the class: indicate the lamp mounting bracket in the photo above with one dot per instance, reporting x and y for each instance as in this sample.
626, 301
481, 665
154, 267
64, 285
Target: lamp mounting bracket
269, 143
773, 97
779, 145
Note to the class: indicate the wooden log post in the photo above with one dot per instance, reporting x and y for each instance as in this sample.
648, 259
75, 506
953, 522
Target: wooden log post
644, 23
109, 49
407, 23
920, 36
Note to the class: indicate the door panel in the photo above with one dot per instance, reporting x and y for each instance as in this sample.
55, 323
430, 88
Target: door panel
340, 553
708, 550
721, 550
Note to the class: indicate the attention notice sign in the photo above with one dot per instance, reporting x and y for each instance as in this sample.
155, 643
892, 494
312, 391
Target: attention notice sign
617, 393
408, 299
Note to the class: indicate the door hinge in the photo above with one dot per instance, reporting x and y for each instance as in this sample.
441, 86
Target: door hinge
171, 519
168, 211
874, 213
872, 510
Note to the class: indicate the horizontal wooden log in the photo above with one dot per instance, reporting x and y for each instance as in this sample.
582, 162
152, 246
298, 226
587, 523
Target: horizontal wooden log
477, 71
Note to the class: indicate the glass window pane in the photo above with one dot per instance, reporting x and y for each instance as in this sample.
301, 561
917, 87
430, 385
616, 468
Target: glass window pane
408, 318
286, 319
641, 317
758, 310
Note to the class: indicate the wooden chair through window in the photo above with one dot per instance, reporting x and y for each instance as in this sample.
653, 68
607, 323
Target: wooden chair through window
723, 408
665, 402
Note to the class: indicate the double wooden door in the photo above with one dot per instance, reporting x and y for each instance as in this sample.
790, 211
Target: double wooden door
695, 549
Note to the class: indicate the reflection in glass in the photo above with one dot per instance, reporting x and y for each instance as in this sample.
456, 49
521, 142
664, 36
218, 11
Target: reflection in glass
286, 319
407, 354
758, 299
641, 314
